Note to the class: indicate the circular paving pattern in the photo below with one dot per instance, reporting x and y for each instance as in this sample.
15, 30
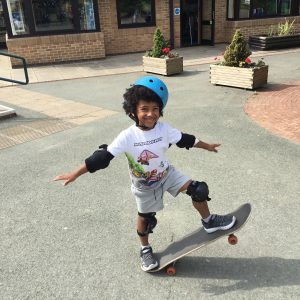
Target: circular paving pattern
277, 109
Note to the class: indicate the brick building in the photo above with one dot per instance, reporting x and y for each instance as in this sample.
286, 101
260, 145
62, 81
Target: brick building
52, 31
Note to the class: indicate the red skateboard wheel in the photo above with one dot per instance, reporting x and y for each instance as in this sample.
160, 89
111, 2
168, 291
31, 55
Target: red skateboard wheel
171, 271
232, 239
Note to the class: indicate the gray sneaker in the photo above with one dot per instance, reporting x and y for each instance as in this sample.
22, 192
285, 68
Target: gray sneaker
218, 222
147, 259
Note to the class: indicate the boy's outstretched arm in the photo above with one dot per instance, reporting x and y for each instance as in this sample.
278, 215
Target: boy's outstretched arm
208, 147
189, 141
100, 159
72, 176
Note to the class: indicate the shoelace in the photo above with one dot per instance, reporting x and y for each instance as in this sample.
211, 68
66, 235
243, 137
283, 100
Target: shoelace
147, 254
218, 219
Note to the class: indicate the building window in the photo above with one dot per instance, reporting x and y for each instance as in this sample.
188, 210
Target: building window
230, 9
135, 13
87, 15
262, 8
244, 9
254, 9
18, 20
285, 7
52, 15
46, 17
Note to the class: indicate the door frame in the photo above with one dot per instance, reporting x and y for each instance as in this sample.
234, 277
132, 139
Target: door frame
211, 22
199, 22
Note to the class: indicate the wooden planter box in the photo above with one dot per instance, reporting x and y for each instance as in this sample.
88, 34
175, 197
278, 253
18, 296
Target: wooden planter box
274, 42
163, 66
247, 78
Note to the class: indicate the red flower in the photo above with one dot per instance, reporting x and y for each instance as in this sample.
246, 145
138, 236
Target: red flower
248, 60
166, 50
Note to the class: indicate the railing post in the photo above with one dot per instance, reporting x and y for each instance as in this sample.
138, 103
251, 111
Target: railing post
24, 67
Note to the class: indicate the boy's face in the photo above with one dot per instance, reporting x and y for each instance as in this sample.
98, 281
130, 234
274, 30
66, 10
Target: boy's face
147, 113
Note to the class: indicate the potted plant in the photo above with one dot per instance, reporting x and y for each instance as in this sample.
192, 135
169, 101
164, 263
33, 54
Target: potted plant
281, 36
160, 59
236, 69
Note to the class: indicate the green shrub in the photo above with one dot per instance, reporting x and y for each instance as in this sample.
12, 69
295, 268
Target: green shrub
237, 51
159, 43
282, 29
286, 29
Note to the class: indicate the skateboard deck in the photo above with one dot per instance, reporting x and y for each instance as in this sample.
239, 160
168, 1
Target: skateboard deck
198, 239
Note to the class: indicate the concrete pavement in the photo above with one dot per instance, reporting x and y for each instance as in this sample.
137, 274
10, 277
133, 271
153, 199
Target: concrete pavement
119, 64
125, 64
79, 242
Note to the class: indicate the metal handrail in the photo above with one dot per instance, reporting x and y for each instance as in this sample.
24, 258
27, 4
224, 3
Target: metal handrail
24, 67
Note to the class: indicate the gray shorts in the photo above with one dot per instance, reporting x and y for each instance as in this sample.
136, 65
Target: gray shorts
151, 200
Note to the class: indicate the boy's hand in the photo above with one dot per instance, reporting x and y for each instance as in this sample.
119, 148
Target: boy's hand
212, 147
208, 147
69, 177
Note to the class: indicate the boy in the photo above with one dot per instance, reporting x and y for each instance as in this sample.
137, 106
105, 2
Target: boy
144, 145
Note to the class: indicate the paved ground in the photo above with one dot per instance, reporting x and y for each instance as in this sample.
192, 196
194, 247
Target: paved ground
275, 108
79, 242
278, 109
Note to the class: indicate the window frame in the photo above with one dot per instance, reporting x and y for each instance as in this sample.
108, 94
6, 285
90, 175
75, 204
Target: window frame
136, 25
294, 11
33, 32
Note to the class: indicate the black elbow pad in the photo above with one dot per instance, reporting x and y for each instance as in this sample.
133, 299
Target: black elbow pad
187, 141
100, 159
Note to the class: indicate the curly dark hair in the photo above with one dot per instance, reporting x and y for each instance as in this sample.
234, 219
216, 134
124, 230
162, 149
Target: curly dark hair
136, 93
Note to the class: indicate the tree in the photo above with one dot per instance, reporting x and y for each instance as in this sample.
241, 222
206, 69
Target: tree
159, 43
237, 52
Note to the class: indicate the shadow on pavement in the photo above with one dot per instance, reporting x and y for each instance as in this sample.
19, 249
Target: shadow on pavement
248, 273
187, 73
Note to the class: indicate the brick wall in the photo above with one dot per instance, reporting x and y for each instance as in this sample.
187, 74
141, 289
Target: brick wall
113, 40
224, 29
126, 40
256, 27
57, 48
220, 21
177, 29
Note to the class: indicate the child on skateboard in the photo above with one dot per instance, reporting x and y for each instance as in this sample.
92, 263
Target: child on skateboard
145, 144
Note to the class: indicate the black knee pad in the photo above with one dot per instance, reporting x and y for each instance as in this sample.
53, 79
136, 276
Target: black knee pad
198, 191
150, 222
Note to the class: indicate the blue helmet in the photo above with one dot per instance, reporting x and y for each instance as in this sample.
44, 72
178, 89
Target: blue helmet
156, 85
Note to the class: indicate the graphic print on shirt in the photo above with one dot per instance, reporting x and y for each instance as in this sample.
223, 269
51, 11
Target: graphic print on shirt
145, 156
138, 171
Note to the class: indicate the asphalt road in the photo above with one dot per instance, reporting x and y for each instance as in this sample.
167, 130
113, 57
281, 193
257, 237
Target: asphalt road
79, 241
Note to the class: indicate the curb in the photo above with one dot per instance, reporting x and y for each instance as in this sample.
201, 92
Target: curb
6, 112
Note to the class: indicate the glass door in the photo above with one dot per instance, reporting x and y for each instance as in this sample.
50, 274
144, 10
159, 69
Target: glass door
207, 22
190, 23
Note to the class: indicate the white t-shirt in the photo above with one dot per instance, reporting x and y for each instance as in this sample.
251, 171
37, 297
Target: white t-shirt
145, 151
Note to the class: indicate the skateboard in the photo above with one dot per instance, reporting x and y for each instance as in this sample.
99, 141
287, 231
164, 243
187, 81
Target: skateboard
197, 239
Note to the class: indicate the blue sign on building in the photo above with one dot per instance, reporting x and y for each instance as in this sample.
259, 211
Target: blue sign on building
176, 11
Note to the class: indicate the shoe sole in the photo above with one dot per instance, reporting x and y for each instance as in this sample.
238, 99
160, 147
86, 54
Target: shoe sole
211, 230
151, 267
